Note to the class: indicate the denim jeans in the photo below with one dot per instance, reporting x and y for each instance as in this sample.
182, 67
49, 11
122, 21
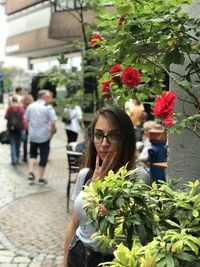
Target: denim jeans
81, 256
15, 142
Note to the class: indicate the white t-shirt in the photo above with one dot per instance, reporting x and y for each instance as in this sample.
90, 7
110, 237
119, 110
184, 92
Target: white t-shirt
75, 114
39, 117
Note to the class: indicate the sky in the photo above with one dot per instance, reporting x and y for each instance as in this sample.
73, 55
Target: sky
8, 61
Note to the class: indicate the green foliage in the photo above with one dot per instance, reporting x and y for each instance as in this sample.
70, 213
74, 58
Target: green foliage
62, 59
55, 76
9, 74
149, 226
78, 98
152, 36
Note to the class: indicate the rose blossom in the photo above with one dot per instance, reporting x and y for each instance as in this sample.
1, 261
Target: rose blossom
105, 88
115, 73
131, 77
94, 40
164, 104
107, 96
116, 68
169, 122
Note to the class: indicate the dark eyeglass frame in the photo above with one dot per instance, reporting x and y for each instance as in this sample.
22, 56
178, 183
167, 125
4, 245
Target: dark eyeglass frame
110, 141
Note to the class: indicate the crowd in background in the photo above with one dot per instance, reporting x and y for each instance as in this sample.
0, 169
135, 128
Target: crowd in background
74, 127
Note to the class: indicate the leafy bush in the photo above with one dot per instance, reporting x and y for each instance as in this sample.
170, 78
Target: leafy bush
149, 226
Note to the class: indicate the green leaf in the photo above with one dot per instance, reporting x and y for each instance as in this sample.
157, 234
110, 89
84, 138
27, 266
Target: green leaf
119, 202
186, 257
173, 223
162, 262
145, 79
174, 56
121, 254
169, 261
103, 226
195, 213
193, 246
110, 219
124, 9
194, 239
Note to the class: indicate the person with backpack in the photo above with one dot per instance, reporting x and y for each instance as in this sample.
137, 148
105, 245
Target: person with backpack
15, 125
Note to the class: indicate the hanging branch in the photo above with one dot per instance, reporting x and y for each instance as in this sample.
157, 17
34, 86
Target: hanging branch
83, 25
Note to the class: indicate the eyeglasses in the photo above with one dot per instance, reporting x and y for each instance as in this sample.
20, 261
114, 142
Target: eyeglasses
112, 138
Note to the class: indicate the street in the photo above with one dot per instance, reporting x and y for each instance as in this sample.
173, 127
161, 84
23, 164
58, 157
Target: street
33, 218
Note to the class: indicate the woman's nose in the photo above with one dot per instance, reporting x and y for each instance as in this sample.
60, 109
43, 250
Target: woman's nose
105, 141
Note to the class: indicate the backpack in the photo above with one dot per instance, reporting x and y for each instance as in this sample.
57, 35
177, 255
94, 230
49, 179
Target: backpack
14, 120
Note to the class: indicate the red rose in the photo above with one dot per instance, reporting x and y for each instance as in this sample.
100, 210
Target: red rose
115, 73
116, 68
105, 88
94, 40
107, 96
169, 122
121, 19
164, 104
131, 77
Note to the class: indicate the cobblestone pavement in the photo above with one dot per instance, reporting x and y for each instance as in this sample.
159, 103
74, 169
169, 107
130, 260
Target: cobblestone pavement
33, 218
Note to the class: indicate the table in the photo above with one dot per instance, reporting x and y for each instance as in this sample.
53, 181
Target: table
160, 164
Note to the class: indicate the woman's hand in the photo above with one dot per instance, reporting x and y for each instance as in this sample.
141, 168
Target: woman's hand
108, 164
102, 210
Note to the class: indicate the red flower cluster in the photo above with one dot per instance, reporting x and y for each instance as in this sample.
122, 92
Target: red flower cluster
131, 77
105, 88
121, 19
164, 105
94, 40
115, 73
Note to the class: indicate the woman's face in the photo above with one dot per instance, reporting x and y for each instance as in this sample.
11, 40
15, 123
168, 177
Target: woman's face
107, 138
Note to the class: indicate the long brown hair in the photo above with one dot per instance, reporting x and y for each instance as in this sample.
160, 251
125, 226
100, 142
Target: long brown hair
125, 126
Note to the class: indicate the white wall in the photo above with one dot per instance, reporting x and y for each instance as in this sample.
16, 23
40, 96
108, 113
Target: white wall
8, 61
26, 22
44, 64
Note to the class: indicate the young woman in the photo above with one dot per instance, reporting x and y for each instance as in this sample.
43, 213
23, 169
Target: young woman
111, 146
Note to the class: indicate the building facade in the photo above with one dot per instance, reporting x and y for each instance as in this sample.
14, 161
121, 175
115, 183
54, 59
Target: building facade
40, 30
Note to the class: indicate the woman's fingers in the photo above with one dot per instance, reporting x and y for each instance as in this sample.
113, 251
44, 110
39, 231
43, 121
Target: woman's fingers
97, 170
108, 164
97, 161
109, 161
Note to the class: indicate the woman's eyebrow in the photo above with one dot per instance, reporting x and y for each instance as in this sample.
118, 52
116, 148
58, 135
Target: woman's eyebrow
111, 131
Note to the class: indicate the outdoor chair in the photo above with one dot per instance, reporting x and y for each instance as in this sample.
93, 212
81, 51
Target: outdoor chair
73, 168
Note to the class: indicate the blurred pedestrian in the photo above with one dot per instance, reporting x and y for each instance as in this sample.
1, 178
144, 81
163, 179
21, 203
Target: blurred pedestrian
26, 101
73, 120
137, 114
143, 156
16, 125
41, 120
18, 93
